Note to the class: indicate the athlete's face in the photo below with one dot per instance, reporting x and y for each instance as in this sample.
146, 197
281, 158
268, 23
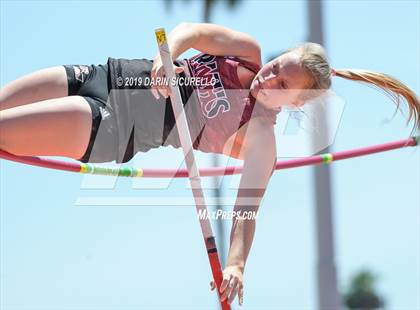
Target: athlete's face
280, 82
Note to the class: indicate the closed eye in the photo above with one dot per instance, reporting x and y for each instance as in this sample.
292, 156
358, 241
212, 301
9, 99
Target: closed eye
274, 69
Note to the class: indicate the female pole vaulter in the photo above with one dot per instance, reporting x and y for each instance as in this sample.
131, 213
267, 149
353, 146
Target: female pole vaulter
61, 111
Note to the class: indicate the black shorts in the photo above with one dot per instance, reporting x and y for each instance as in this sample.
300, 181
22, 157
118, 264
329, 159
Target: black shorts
91, 82
143, 122
114, 135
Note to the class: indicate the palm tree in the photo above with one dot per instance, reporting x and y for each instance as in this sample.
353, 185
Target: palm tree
361, 294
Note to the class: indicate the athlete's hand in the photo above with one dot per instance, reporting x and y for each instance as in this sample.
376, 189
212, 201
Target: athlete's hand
157, 75
232, 284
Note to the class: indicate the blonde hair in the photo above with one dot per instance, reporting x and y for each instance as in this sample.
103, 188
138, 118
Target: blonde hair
314, 61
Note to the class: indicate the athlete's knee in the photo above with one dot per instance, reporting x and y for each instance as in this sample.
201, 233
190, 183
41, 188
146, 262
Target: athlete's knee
3, 96
4, 134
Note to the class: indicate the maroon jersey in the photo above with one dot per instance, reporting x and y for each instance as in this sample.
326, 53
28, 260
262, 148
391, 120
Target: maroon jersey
224, 106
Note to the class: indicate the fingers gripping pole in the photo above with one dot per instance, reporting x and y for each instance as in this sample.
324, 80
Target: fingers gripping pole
193, 172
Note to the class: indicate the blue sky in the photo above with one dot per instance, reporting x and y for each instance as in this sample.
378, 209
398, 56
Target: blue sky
57, 254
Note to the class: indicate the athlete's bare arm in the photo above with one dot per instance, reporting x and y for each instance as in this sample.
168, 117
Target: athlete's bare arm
214, 40
259, 158
207, 38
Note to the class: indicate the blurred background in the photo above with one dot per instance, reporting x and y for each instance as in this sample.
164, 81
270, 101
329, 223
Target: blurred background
58, 251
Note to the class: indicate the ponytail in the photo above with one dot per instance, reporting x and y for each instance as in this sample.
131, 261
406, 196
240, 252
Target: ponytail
392, 87
314, 61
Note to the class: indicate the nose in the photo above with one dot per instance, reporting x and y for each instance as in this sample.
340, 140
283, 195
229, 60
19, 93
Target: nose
269, 77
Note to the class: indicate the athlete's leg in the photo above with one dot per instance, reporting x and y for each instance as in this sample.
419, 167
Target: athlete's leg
55, 127
40, 85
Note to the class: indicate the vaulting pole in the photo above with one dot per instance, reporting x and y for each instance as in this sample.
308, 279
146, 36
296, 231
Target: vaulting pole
193, 172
